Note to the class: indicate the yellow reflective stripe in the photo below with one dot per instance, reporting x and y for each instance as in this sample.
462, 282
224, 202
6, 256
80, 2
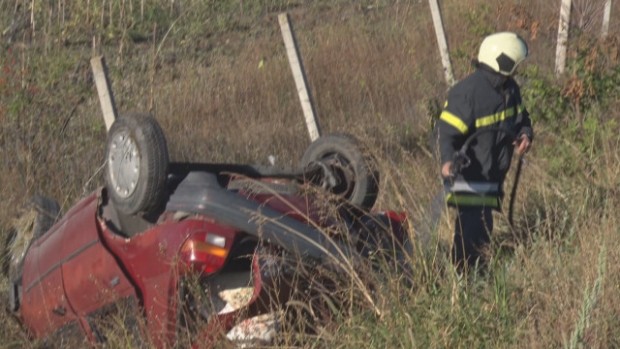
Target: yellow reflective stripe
498, 117
469, 200
454, 121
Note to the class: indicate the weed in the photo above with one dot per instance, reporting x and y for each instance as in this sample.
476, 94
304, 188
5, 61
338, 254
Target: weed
215, 75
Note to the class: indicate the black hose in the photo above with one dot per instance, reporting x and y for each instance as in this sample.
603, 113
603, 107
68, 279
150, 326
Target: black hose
513, 192
486, 130
461, 161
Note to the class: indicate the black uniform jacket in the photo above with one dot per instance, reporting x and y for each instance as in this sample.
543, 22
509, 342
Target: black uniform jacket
482, 100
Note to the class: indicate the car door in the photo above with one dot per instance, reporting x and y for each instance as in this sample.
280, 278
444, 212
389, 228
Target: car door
93, 279
45, 308
69, 274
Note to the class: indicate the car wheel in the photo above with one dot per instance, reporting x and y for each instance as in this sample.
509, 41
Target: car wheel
352, 174
137, 164
38, 217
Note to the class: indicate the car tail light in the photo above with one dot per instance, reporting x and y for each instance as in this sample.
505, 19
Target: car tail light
205, 252
398, 222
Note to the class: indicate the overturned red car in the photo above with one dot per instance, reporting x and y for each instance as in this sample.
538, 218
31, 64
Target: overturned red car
161, 242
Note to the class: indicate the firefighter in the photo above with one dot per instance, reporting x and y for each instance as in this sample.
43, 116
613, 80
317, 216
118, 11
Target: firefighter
489, 98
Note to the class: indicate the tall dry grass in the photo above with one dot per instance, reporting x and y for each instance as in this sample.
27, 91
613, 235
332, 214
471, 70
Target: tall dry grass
216, 77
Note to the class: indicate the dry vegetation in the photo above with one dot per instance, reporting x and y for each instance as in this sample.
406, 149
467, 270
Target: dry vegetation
215, 75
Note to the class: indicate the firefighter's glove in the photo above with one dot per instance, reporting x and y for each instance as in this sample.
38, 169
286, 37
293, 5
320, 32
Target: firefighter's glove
460, 162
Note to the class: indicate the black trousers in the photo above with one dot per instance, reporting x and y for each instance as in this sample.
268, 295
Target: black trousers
472, 233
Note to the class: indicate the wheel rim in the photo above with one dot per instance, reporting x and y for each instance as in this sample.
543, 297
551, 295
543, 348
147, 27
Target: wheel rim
124, 164
345, 174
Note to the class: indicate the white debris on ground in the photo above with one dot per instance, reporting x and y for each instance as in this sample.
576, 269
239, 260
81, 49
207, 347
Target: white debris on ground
258, 330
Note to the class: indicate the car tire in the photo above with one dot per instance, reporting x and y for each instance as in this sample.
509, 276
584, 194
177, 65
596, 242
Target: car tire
38, 216
48, 213
358, 179
136, 164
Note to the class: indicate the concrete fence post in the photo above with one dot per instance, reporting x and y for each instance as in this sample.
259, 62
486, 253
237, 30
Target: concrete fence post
441, 42
563, 27
606, 16
106, 98
294, 59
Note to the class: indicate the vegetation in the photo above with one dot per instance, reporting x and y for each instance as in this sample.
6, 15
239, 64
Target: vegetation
215, 75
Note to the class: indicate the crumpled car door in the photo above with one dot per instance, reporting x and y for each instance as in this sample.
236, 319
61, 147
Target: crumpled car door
45, 308
93, 278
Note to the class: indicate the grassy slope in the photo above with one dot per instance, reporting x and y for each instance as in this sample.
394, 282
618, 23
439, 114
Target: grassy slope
215, 75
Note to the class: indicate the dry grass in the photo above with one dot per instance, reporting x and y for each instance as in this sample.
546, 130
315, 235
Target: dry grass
223, 92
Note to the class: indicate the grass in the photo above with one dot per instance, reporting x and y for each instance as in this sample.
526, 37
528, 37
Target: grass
216, 76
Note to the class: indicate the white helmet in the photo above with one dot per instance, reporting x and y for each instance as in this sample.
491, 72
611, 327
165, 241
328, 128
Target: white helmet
503, 52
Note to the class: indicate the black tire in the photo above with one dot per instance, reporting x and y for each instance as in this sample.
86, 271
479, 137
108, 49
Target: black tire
6, 252
48, 213
136, 164
357, 177
36, 219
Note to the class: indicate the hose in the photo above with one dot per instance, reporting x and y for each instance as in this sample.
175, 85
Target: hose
513, 192
461, 161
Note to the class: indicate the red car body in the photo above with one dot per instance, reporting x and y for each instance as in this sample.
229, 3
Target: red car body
81, 269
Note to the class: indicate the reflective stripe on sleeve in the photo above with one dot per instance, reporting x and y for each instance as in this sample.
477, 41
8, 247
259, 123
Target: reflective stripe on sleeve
454, 121
498, 117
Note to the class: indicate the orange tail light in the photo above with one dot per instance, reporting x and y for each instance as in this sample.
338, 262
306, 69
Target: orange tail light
205, 252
